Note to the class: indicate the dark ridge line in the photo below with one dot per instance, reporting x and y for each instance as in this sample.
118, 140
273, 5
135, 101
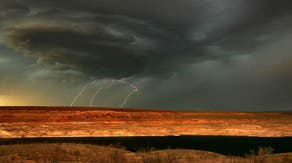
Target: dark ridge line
215, 136
82, 108
87, 108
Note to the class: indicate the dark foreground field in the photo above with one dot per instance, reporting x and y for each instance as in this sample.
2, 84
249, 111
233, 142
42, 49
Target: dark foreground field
227, 145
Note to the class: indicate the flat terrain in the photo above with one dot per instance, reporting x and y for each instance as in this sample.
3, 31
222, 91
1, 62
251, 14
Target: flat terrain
18, 122
70, 153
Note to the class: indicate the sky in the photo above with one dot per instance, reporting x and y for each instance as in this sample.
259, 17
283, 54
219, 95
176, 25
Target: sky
233, 55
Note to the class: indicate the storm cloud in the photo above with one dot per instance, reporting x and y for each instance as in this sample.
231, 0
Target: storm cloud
222, 54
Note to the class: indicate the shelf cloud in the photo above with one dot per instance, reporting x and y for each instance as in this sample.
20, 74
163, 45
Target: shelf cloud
224, 54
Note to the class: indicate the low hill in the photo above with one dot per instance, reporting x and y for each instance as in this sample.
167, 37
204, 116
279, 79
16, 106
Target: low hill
70, 153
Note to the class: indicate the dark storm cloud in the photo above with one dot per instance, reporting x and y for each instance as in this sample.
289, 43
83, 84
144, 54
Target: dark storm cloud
113, 39
12, 9
132, 38
207, 52
114, 46
121, 39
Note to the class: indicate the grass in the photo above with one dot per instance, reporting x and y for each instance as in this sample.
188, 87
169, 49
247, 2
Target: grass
65, 153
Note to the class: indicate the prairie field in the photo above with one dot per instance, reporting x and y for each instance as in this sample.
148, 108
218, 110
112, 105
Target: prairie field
18, 122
